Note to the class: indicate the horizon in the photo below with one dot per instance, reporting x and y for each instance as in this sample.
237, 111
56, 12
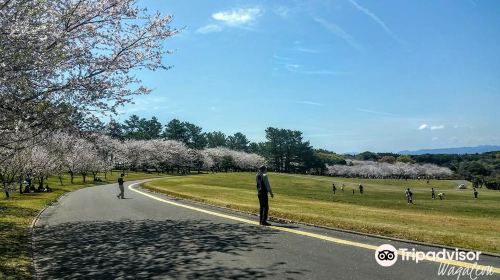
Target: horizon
351, 75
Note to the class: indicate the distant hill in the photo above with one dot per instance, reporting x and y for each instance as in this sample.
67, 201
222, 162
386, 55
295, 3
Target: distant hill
459, 150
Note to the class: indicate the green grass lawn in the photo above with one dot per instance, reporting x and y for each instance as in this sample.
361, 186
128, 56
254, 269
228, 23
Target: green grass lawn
459, 220
17, 213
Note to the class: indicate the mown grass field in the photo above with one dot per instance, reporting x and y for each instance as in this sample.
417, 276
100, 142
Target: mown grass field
17, 213
458, 221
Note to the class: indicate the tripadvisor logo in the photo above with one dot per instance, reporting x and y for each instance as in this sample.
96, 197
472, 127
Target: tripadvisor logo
386, 255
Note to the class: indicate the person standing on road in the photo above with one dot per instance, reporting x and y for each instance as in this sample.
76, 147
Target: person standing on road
122, 188
263, 188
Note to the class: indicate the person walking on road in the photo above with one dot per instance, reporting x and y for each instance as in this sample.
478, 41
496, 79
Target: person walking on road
122, 188
263, 188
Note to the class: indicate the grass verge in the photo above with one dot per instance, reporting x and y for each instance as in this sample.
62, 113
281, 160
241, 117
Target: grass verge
17, 213
458, 220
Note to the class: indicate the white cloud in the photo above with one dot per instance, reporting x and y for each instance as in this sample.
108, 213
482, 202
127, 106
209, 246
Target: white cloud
338, 31
431, 127
306, 50
292, 67
209, 28
436, 127
423, 126
237, 16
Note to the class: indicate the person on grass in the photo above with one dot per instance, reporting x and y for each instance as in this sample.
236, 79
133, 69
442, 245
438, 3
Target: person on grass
409, 196
441, 196
433, 193
263, 188
121, 181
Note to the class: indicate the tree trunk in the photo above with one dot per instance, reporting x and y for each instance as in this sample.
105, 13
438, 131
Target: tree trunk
40, 181
72, 176
5, 190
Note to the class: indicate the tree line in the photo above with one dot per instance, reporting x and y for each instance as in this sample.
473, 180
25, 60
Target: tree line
480, 169
285, 150
385, 170
63, 154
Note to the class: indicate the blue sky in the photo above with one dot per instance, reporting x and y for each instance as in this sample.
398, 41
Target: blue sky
352, 75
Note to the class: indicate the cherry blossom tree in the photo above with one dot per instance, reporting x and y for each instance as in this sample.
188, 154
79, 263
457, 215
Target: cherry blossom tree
372, 169
241, 160
43, 162
64, 60
12, 168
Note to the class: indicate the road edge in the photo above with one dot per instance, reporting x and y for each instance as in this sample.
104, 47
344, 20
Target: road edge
32, 226
31, 230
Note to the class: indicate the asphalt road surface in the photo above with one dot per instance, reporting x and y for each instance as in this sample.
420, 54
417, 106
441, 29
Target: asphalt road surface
91, 234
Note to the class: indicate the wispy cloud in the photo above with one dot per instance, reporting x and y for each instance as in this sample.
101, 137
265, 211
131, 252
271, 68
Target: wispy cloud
375, 18
282, 58
323, 72
436, 127
338, 31
209, 28
306, 102
282, 11
306, 50
237, 16
292, 67
431, 127
377, 112
423, 126
296, 68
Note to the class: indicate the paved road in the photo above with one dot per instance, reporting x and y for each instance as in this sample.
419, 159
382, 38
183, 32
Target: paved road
90, 234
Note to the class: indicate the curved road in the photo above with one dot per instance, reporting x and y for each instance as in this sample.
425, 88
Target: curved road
90, 234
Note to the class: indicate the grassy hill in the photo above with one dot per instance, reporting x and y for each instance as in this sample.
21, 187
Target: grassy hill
459, 220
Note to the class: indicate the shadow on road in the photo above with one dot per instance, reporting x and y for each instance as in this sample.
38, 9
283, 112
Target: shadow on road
147, 249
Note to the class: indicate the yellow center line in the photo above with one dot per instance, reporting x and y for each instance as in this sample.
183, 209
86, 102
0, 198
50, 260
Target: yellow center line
310, 234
